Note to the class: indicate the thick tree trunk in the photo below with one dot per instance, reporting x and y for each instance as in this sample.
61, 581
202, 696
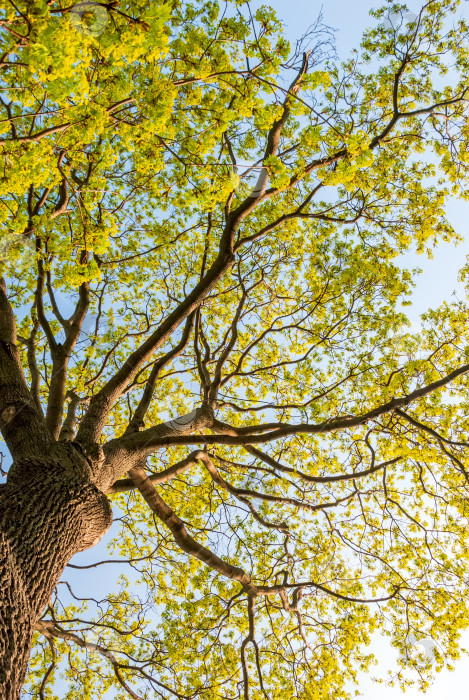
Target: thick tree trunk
49, 510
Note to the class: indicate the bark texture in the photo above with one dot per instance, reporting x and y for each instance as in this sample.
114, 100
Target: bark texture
49, 511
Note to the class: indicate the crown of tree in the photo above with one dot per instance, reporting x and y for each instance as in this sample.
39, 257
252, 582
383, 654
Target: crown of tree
203, 347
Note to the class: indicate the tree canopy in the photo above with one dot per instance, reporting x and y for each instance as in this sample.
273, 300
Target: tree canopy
201, 236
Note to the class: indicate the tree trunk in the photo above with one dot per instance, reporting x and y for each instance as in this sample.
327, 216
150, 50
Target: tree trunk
49, 511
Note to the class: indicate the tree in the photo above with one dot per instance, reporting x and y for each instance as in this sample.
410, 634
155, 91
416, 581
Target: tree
285, 459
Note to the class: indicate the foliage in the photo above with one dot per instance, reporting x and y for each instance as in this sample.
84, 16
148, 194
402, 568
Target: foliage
331, 441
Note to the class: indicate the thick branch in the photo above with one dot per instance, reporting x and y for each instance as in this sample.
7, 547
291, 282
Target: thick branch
145, 442
180, 534
61, 355
142, 408
288, 500
101, 404
21, 424
128, 484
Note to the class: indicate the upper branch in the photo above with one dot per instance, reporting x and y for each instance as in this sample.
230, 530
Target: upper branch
21, 423
137, 419
102, 403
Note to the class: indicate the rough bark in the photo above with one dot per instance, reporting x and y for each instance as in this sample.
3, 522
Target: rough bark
49, 510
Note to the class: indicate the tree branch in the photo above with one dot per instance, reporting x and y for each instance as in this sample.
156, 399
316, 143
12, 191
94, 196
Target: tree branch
21, 423
180, 534
145, 442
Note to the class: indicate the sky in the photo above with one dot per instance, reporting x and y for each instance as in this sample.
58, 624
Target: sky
349, 18
436, 283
